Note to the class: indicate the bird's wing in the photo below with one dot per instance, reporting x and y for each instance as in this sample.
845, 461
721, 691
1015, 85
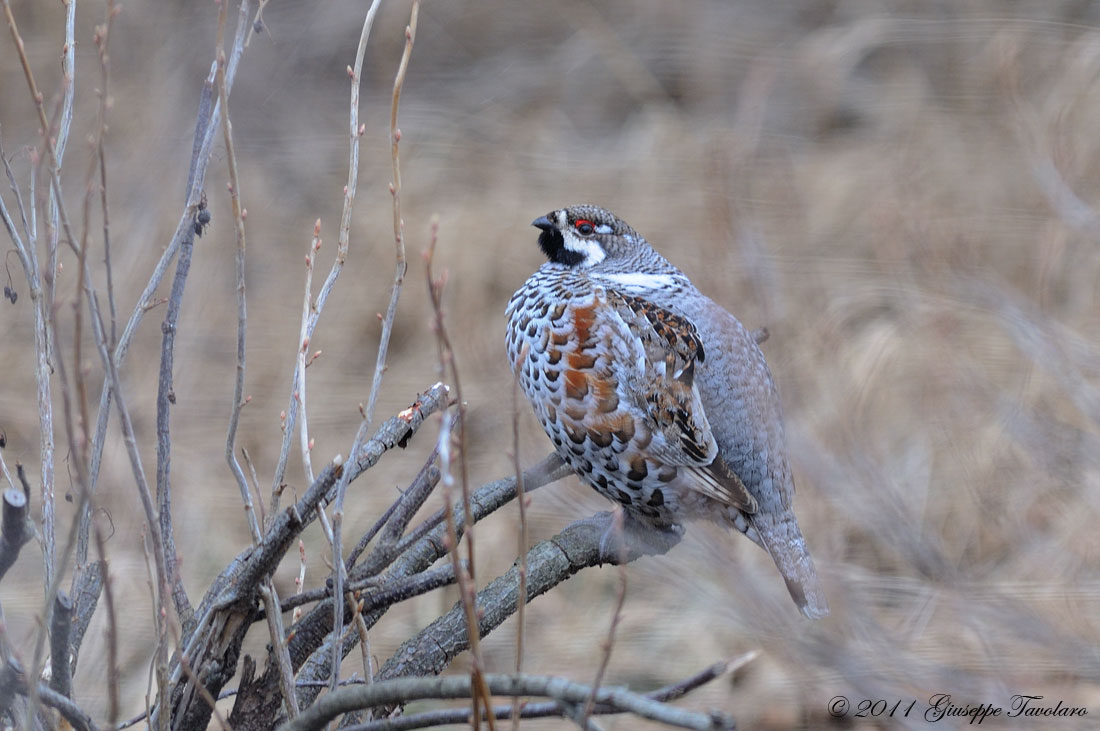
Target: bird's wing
661, 383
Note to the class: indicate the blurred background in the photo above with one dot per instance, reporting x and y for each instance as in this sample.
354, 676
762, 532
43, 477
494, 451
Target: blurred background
904, 193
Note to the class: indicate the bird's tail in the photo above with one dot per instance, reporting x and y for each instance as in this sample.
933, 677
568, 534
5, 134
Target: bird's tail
781, 537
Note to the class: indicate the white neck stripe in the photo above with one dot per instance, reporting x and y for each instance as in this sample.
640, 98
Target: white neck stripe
638, 280
592, 251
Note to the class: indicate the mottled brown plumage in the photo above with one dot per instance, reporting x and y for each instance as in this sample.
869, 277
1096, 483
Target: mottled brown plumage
656, 396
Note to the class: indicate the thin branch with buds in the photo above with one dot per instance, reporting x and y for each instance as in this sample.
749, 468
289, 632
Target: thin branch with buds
338, 571
342, 246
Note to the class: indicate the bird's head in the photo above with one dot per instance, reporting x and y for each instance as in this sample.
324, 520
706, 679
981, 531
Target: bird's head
584, 236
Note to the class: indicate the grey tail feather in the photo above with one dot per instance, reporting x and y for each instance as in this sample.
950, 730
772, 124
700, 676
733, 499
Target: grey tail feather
783, 540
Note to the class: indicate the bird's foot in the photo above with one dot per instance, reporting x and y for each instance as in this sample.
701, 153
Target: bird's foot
625, 539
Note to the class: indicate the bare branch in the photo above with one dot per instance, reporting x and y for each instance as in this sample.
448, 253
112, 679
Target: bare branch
16, 530
48, 696
419, 550
549, 562
226, 611
61, 676
402, 690
55, 148
552, 708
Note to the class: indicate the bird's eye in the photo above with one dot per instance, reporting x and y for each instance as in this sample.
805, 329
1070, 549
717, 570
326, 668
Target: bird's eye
584, 226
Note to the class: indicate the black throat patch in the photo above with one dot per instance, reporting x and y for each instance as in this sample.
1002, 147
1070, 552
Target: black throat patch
552, 244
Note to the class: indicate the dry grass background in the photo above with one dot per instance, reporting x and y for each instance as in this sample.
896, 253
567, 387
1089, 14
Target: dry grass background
884, 184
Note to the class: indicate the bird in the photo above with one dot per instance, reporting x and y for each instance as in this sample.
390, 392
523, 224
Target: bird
655, 395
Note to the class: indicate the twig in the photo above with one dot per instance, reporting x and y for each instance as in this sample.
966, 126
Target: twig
258, 23
466, 580
338, 569
400, 265
204, 693
130, 441
360, 624
185, 230
402, 690
89, 581
378, 595
299, 583
9, 224
166, 396
521, 500
82, 457
255, 483
113, 685
157, 667
242, 308
56, 150
43, 305
205, 131
414, 498
4, 466
620, 599
299, 395
102, 41
278, 647
396, 518
69, 710
367, 537
268, 593
341, 246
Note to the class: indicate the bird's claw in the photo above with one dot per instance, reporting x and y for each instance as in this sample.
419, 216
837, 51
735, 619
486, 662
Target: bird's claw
625, 540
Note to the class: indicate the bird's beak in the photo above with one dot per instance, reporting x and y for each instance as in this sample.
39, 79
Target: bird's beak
544, 223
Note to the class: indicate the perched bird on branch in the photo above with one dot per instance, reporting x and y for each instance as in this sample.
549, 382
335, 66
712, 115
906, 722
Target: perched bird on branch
656, 396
